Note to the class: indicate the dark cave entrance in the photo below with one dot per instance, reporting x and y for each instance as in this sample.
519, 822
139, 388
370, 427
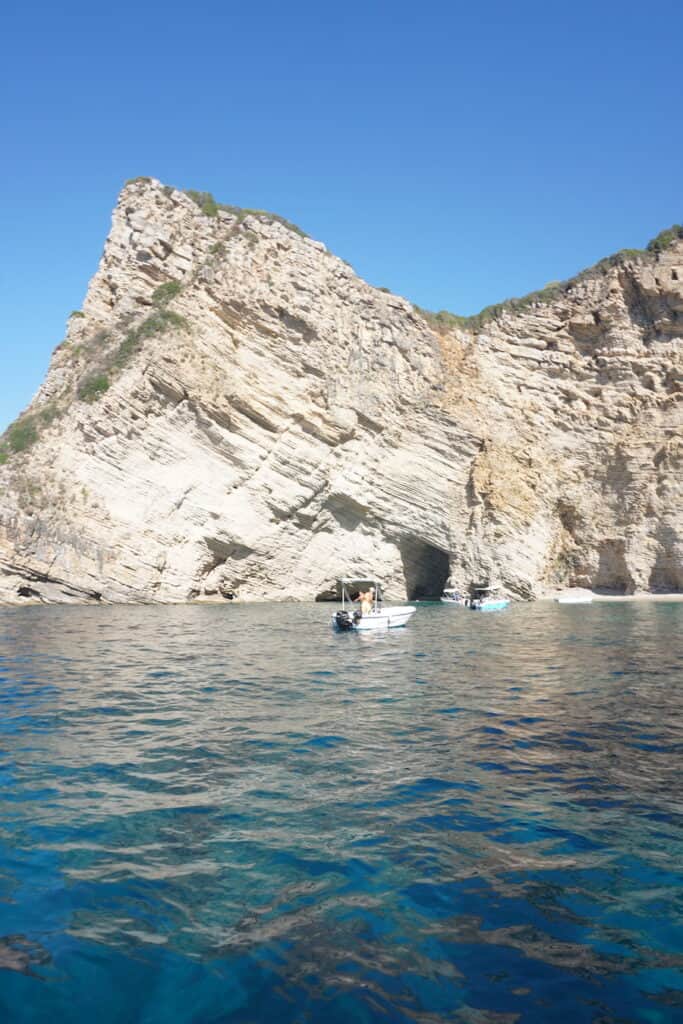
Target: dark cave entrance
425, 569
613, 575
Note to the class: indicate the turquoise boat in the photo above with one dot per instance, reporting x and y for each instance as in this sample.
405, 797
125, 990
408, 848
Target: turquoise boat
485, 599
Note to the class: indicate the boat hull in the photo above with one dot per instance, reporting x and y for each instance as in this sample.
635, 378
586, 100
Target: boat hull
386, 618
452, 600
489, 606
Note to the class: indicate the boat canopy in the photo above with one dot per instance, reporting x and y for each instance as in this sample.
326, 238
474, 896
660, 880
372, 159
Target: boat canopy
350, 583
484, 590
347, 581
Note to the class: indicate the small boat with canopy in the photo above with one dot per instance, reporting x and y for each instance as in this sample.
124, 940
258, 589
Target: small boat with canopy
485, 598
452, 596
363, 607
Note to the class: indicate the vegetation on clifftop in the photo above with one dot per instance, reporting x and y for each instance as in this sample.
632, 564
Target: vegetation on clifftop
445, 321
665, 238
208, 205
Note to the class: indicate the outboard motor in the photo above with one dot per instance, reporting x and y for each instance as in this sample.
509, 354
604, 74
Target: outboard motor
343, 621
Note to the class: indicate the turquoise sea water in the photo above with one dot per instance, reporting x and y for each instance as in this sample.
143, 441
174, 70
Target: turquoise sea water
231, 814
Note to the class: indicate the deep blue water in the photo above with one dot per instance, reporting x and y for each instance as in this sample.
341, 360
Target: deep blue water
230, 814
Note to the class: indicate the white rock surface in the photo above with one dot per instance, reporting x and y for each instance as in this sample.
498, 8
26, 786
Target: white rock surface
304, 425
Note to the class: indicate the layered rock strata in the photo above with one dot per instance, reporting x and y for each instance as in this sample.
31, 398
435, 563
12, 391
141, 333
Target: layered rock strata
235, 412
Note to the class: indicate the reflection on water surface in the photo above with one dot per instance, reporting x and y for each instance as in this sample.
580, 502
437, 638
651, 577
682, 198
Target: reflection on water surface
215, 814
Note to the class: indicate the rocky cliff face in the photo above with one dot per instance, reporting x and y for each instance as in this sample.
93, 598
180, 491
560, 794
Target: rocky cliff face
235, 411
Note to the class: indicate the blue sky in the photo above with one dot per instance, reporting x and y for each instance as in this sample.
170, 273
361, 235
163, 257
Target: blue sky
454, 153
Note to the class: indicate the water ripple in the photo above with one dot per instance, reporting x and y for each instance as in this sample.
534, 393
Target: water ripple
215, 814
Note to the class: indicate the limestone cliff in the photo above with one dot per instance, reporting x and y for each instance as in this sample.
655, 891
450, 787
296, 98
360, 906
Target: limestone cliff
235, 411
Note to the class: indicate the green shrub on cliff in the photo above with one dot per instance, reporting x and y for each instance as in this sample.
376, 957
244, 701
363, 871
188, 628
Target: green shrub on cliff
159, 322
665, 238
48, 414
93, 387
25, 431
165, 292
445, 320
208, 205
204, 200
22, 434
266, 216
156, 323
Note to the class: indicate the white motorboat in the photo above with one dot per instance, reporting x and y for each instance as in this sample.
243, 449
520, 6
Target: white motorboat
578, 596
452, 596
360, 615
484, 598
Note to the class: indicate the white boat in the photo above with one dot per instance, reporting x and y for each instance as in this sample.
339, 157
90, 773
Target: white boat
374, 614
483, 598
574, 597
452, 596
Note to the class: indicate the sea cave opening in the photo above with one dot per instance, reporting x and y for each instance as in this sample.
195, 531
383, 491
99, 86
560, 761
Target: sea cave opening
426, 569
613, 575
